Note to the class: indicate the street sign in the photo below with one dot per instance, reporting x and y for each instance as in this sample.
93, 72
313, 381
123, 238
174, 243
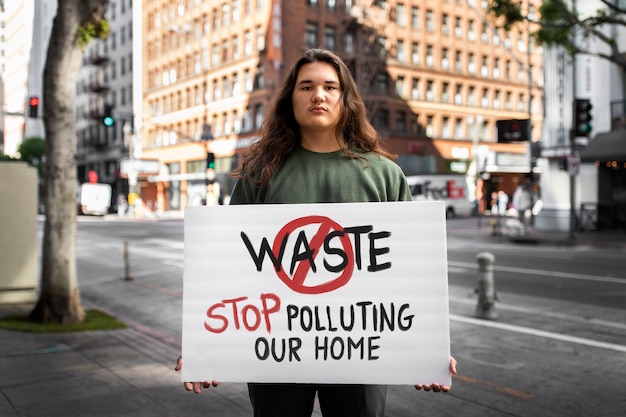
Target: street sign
573, 164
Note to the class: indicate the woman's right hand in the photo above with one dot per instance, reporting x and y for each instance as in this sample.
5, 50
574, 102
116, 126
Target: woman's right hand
194, 386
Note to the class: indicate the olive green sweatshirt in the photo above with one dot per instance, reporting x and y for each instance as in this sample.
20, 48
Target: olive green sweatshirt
312, 177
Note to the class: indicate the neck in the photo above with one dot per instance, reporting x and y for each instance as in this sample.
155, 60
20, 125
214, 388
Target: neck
319, 141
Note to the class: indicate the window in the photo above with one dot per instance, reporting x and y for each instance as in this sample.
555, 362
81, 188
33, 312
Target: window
349, 42
331, 4
444, 24
458, 64
260, 39
471, 34
215, 55
430, 93
311, 35
430, 60
246, 121
430, 130
446, 131
415, 55
400, 14
236, 85
329, 38
458, 128
458, 32
445, 94
458, 95
381, 83
415, 92
415, 17
471, 96
247, 43
236, 47
484, 68
259, 79
496, 68
430, 24
247, 75
382, 119
496, 100
484, 101
258, 115
400, 55
484, 36
400, 122
445, 62
471, 65
400, 86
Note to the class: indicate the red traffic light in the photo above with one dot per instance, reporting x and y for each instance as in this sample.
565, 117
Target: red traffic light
33, 106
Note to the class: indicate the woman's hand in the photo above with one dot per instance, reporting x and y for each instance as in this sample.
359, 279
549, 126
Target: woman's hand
194, 386
437, 387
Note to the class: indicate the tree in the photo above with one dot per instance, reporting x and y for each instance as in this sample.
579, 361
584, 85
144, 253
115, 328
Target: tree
75, 24
32, 151
558, 22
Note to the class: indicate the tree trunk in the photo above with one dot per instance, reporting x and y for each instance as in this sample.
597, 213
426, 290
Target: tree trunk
59, 299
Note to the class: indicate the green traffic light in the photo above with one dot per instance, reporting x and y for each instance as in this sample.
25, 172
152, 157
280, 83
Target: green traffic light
108, 121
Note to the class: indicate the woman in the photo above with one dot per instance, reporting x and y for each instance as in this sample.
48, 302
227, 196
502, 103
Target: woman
317, 146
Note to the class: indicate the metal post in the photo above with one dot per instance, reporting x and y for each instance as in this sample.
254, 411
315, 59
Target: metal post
127, 275
485, 309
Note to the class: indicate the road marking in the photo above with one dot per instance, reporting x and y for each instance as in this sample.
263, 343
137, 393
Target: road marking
539, 333
556, 274
547, 313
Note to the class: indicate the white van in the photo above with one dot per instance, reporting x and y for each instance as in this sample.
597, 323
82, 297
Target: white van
450, 188
94, 199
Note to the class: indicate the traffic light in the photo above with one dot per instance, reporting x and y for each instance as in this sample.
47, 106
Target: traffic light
210, 160
582, 117
33, 107
108, 119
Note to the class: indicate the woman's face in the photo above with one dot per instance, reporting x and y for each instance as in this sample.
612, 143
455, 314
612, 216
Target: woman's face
317, 97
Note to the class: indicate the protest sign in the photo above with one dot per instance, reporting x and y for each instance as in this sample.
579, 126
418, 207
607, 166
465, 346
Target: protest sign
316, 293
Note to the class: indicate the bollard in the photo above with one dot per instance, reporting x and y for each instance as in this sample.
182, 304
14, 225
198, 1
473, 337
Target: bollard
485, 309
127, 275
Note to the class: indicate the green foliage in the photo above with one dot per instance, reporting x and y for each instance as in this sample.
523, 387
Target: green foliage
509, 13
7, 158
94, 320
32, 150
90, 31
559, 24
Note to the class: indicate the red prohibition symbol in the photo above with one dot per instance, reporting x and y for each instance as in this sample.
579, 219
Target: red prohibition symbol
297, 282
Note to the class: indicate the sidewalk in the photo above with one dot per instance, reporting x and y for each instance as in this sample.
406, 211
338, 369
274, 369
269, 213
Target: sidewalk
483, 229
101, 374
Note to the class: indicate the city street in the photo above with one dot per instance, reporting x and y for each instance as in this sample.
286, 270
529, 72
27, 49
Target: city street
557, 347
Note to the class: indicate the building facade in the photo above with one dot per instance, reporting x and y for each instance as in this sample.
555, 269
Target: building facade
583, 179
436, 78
105, 91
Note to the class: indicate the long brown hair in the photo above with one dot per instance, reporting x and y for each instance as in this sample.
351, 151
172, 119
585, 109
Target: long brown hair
280, 132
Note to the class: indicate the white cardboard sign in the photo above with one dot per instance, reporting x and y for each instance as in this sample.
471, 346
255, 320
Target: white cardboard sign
316, 293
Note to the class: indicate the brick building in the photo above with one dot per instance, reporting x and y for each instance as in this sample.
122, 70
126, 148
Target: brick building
436, 78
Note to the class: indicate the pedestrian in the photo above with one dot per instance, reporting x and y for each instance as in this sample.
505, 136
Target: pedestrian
522, 200
317, 146
503, 202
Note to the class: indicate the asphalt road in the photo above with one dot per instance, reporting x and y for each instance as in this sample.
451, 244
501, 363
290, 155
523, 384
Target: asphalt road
557, 347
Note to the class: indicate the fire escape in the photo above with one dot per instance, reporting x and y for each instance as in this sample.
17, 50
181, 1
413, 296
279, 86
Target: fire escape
97, 89
365, 25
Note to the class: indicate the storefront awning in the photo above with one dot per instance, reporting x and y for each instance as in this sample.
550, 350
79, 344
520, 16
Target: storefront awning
609, 146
